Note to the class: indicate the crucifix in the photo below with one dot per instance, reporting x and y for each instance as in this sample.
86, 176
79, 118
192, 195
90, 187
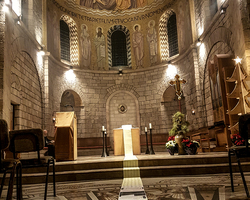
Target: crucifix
178, 91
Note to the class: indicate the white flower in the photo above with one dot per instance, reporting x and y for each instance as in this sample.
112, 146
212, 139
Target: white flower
170, 144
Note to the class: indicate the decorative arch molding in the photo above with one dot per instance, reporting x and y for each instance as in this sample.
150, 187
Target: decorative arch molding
127, 33
74, 45
121, 87
125, 93
164, 34
220, 34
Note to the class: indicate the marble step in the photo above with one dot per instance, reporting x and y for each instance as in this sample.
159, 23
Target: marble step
150, 166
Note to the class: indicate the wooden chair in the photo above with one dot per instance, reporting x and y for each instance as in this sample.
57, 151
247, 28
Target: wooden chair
32, 140
9, 165
241, 151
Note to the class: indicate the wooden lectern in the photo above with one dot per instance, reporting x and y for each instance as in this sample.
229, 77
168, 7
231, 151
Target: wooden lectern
66, 136
119, 142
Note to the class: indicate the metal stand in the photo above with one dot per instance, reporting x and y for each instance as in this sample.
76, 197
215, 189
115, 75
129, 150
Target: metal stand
106, 145
151, 150
147, 151
104, 153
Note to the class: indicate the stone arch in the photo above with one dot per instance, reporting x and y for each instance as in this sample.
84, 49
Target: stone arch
169, 95
227, 52
127, 33
123, 87
74, 45
28, 88
132, 116
70, 100
164, 34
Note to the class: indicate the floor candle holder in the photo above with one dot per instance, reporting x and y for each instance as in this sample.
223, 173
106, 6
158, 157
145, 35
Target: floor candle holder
106, 144
104, 153
147, 150
151, 149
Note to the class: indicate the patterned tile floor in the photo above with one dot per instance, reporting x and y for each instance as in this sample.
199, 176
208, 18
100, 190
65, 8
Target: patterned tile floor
205, 187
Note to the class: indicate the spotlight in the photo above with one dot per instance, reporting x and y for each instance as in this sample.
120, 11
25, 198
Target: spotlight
223, 10
120, 72
198, 42
18, 20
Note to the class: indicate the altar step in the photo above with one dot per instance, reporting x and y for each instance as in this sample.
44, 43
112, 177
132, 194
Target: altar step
158, 165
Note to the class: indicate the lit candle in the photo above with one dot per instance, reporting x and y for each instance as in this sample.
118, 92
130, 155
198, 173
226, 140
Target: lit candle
146, 129
105, 131
150, 126
103, 128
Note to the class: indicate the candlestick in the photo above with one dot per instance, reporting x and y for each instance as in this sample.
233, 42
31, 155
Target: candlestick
150, 126
151, 141
104, 152
146, 134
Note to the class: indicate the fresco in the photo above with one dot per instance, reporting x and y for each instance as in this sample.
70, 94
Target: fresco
114, 5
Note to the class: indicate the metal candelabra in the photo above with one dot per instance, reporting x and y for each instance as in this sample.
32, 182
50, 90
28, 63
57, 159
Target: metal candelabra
106, 144
151, 150
147, 151
104, 153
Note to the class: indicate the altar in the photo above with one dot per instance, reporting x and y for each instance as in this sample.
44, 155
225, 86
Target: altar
119, 141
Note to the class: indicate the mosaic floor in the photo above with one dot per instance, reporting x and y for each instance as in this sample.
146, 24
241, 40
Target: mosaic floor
210, 187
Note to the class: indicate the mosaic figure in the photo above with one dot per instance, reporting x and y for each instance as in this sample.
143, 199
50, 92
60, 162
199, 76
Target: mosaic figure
141, 3
138, 45
122, 5
115, 5
100, 48
85, 45
152, 42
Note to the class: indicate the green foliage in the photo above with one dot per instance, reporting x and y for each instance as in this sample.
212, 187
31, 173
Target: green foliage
180, 125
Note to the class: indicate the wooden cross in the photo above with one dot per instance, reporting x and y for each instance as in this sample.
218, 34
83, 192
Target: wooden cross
178, 91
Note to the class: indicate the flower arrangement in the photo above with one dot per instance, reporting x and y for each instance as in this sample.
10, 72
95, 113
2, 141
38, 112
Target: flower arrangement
237, 139
190, 146
171, 145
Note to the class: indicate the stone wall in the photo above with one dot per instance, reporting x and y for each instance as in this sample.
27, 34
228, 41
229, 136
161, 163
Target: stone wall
140, 89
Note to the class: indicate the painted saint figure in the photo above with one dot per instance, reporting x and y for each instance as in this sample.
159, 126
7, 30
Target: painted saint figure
100, 48
141, 3
152, 42
122, 5
138, 46
86, 46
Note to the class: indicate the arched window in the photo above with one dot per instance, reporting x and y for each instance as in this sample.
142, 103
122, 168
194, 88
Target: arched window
172, 36
119, 49
64, 41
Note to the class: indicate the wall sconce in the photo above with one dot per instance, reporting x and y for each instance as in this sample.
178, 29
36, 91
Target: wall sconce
171, 71
223, 10
18, 20
198, 42
70, 76
193, 111
120, 72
